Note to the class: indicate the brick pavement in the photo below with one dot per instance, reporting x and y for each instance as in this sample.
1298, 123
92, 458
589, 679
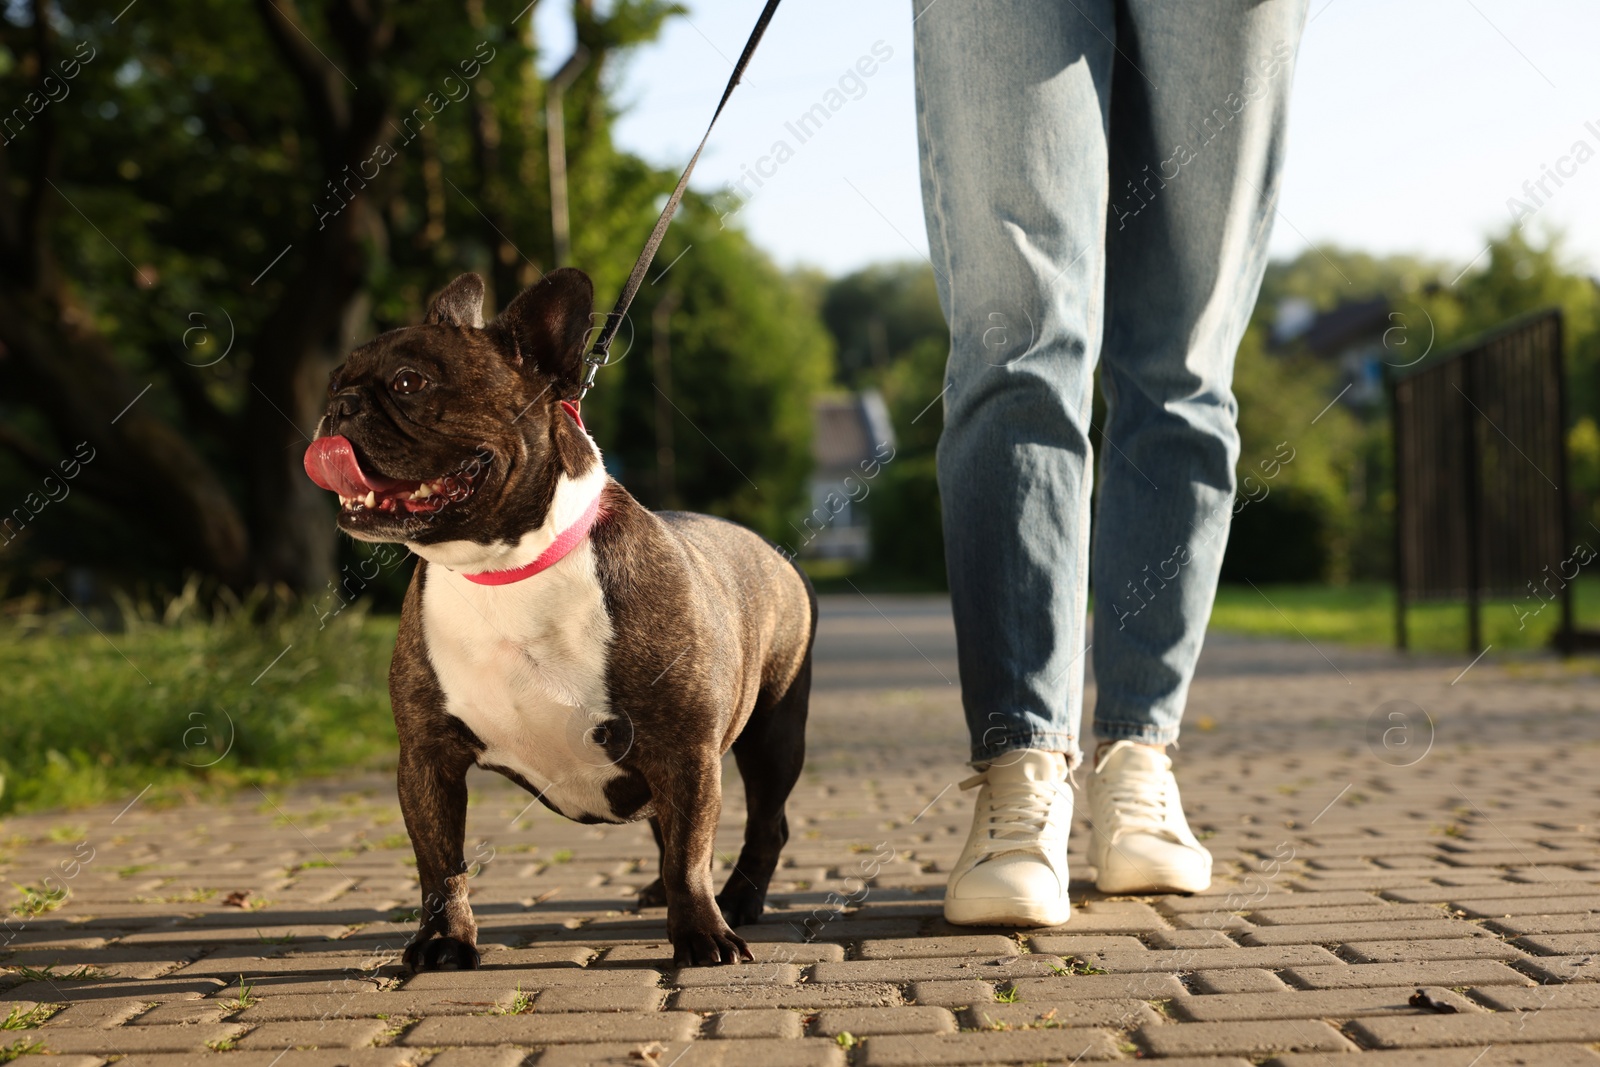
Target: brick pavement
1408, 871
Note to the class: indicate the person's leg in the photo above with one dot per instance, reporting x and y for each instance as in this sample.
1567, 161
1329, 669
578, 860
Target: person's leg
1197, 141
1199, 100
1011, 104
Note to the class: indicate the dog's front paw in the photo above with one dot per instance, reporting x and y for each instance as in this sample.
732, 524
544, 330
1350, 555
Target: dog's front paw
653, 895
441, 954
708, 947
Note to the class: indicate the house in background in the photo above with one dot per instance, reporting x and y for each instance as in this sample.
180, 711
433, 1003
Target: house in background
848, 429
1350, 336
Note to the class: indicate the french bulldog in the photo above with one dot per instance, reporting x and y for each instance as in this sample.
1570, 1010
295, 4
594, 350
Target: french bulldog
602, 656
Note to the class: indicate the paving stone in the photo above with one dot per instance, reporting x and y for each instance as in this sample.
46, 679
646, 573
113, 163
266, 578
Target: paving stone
182, 1012
1584, 968
1193, 938
361, 1057
983, 968
1559, 944
805, 995
1422, 950
1077, 944
950, 994
540, 956
481, 1057
1016, 1046
531, 978
869, 1022
659, 956
552, 1029
606, 998
1574, 923
370, 1006
1537, 998
774, 1023
937, 947
1377, 911
74, 992
743, 974
95, 1013
1245, 980
126, 1040
1493, 1056
1242, 1038
1320, 1004
1202, 959
1444, 972
323, 1033
1337, 933
1548, 1026
1144, 985
797, 1052
1123, 1014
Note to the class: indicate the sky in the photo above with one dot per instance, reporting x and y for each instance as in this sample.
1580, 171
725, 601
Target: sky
1413, 123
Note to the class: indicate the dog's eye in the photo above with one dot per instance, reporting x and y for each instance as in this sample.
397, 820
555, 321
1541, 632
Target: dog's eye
408, 381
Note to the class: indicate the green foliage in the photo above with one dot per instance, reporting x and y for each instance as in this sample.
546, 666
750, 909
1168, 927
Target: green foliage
192, 147
1330, 515
891, 335
187, 704
745, 355
1295, 463
878, 314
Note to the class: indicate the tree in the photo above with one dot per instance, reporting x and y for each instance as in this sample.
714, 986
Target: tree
276, 183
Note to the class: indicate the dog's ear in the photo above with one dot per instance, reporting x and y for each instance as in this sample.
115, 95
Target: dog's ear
458, 304
547, 324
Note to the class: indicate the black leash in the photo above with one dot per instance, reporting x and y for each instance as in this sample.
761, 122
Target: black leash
600, 354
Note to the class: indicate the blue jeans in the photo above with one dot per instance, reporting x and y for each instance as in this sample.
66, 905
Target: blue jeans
1099, 180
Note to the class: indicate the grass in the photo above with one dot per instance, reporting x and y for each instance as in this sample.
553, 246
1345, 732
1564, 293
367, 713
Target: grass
49, 973
37, 901
21, 1047
1363, 613
244, 999
185, 704
20, 1019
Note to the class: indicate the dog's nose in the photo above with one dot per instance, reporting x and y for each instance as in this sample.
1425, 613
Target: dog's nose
347, 404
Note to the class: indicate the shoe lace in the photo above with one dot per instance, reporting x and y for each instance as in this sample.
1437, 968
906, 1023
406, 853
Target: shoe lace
1136, 803
1018, 815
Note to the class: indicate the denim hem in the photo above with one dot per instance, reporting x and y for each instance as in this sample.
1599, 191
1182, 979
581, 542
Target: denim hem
1049, 741
1143, 732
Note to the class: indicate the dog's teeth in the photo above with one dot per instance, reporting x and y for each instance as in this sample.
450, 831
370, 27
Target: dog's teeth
422, 492
372, 499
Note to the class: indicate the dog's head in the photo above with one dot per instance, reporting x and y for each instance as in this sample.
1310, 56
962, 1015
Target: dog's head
453, 430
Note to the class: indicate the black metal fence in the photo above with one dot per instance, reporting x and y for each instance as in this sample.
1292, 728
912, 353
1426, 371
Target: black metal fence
1480, 473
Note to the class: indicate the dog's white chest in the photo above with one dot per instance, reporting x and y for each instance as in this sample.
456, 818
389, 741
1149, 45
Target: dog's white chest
524, 667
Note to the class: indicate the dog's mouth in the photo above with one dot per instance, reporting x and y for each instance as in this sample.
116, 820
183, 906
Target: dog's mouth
331, 463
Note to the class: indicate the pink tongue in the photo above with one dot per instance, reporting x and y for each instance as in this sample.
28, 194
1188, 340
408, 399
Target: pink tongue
331, 463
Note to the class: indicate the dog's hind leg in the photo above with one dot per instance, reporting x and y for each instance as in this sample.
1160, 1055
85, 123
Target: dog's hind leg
770, 752
654, 895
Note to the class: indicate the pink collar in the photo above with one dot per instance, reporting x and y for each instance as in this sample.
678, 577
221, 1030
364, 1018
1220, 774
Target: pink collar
565, 541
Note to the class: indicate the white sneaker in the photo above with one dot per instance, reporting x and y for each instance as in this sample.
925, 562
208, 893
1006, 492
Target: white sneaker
1139, 841
1013, 871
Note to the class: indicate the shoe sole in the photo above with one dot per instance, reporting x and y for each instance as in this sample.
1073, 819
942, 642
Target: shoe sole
1006, 911
1157, 881
1148, 880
